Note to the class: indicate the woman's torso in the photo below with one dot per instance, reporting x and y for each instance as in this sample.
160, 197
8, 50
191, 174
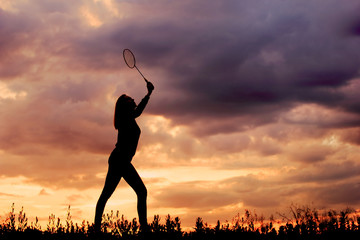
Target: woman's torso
127, 140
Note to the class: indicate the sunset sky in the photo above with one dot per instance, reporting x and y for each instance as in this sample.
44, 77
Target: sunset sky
256, 105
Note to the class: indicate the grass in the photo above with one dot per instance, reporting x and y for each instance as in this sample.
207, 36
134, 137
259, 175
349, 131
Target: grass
304, 223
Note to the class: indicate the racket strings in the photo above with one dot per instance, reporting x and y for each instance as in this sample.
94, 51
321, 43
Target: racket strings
129, 58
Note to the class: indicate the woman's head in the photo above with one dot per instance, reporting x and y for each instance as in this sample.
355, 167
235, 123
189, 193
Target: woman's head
125, 105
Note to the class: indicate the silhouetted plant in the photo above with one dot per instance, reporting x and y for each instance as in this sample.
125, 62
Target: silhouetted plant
156, 226
35, 225
53, 225
172, 227
69, 227
11, 219
199, 225
304, 223
22, 220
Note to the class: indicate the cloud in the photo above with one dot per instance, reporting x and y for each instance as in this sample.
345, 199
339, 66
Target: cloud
193, 196
9, 195
205, 196
324, 172
322, 117
43, 192
353, 27
352, 136
311, 154
230, 80
15, 32
75, 197
261, 66
320, 184
341, 193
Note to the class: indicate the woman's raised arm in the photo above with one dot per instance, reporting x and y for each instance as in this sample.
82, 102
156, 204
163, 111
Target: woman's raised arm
140, 108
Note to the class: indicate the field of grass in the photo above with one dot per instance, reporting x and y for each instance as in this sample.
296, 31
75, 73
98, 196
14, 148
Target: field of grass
305, 223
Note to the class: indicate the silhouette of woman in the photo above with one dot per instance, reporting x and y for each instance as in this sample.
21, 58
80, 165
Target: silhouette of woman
120, 158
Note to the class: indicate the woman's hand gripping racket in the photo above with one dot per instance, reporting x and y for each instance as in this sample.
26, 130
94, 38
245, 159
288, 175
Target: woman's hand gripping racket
130, 61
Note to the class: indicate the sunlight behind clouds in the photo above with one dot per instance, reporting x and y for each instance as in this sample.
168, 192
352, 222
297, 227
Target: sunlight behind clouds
7, 93
91, 18
99, 12
110, 6
162, 124
7, 5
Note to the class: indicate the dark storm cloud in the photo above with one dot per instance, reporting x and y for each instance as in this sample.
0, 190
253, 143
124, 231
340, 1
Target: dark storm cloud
257, 60
235, 60
354, 27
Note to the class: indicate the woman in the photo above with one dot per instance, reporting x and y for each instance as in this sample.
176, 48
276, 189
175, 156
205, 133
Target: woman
120, 159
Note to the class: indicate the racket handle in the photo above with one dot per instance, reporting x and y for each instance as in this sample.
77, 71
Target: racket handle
141, 74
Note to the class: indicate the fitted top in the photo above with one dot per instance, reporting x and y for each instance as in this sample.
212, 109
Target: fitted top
129, 131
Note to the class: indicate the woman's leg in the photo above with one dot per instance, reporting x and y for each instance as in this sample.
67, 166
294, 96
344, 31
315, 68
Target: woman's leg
111, 182
133, 179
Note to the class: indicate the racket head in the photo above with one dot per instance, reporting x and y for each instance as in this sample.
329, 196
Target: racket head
129, 58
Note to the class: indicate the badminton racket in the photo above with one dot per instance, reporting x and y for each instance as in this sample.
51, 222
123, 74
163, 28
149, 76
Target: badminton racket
130, 61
